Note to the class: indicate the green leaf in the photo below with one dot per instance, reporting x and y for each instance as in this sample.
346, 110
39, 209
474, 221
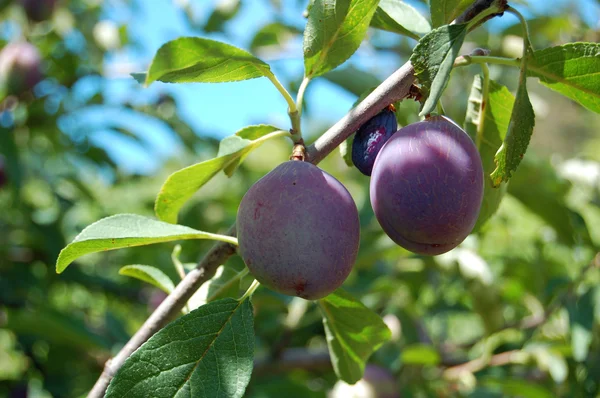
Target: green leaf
353, 333
181, 185
346, 150
226, 283
399, 17
517, 137
572, 69
194, 59
224, 11
333, 33
420, 354
127, 230
445, 11
206, 353
581, 319
140, 77
273, 34
353, 80
433, 59
149, 274
488, 133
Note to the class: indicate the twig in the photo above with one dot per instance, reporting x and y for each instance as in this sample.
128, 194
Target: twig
394, 88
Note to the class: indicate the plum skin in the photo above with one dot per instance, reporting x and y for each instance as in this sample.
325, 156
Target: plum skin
427, 186
369, 139
298, 231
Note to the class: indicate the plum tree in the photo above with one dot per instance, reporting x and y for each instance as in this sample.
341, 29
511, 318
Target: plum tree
427, 186
38, 10
20, 67
298, 230
370, 137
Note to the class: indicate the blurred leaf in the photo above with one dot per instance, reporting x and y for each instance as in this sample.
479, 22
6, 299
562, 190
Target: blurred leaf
225, 283
547, 200
570, 69
334, 31
488, 133
149, 274
194, 59
273, 34
56, 327
550, 361
140, 77
446, 11
420, 354
517, 137
127, 230
581, 318
433, 59
207, 352
354, 80
181, 185
518, 388
399, 17
353, 333
224, 11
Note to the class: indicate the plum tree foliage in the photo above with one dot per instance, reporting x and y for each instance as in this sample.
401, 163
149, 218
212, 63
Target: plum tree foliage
333, 247
298, 230
427, 186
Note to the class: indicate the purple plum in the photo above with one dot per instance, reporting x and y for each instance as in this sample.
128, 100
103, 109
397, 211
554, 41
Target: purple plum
298, 231
427, 186
370, 137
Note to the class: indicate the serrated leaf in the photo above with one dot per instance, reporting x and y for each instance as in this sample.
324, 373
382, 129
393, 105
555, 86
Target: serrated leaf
206, 353
492, 130
446, 11
181, 185
353, 333
127, 230
572, 69
199, 60
333, 32
581, 319
149, 274
433, 59
399, 17
517, 138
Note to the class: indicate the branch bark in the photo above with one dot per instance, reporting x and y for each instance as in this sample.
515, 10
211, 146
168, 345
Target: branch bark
395, 87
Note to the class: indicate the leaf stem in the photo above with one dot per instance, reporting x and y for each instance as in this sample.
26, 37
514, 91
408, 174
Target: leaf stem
527, 38
175, 259
293, 109
465, 60
250, 290
296, 117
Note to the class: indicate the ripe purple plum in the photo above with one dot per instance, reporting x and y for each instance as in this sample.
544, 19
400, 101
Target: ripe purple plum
20, 67
427, 186
370, 137
38, 10
298, 231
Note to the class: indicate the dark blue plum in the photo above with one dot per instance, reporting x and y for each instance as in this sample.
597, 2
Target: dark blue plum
370, 137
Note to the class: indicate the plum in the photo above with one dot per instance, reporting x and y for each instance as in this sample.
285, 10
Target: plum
38, 10
298, 230
427, 186
20, 67
370, 137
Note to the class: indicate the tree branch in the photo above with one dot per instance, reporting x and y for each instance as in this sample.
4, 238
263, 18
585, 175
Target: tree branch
394, 88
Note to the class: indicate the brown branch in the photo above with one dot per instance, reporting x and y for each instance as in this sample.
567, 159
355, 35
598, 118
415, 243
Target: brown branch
397, 86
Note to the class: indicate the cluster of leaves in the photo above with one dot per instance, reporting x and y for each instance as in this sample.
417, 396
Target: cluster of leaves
526, 268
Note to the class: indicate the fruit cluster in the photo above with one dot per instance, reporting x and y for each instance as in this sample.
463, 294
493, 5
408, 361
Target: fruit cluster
298, 226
